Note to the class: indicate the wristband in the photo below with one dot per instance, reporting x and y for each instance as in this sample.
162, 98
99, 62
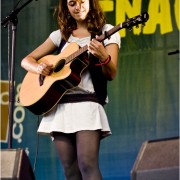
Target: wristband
105, 62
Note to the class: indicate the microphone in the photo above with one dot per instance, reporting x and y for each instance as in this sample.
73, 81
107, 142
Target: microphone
173, 52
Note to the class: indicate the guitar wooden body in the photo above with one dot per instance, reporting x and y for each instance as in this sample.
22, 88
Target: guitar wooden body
40, 99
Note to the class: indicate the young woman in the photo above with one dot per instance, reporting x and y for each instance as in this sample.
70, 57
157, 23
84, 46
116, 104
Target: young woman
79, 122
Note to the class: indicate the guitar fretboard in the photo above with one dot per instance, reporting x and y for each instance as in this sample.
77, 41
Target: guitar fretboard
76, 54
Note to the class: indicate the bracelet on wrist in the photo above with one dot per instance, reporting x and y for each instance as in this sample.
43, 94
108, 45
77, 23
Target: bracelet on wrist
104, 62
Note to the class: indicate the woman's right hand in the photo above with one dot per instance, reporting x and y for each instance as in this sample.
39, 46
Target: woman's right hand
44, 69
30, 62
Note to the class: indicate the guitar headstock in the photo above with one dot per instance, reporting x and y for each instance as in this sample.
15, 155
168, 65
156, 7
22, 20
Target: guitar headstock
135, 21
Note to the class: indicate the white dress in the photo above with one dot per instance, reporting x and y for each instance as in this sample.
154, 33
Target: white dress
74, 117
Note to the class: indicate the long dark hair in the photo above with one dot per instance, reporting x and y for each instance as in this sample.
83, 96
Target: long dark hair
95, 19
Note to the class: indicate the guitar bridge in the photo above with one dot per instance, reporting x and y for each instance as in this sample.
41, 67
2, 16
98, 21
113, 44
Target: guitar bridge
41, 79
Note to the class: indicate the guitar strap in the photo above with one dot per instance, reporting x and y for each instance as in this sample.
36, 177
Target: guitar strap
61, 45
98, 79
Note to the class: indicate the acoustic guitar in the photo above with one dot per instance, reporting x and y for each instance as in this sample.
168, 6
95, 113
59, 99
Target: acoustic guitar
40, 93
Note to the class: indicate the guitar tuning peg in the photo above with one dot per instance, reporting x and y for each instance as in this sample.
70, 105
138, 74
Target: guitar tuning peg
143, 24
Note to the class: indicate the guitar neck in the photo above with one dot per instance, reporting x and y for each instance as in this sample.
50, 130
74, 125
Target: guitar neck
107, 34
76, 54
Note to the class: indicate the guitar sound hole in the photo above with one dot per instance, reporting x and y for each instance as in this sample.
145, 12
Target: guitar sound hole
59, 65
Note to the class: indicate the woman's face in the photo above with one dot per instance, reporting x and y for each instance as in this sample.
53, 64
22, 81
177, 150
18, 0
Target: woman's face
78, 9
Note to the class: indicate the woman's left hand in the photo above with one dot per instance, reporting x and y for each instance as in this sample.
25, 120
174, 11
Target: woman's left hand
97, 49
102, 53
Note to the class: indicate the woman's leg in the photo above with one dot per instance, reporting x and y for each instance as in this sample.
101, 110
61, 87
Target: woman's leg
66, 148
88, 143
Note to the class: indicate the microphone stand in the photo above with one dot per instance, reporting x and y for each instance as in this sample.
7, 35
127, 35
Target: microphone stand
13, 20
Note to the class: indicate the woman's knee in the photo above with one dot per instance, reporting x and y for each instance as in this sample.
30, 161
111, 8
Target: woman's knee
88, 165
71, 170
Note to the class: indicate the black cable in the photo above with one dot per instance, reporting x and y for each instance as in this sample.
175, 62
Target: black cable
37, 145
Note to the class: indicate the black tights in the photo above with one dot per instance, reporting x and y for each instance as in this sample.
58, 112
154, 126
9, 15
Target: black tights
79, 154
